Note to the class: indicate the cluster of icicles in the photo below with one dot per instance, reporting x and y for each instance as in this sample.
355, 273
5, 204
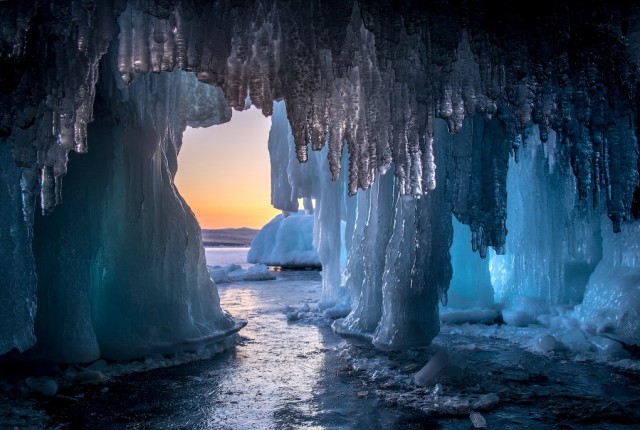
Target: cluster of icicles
363, 77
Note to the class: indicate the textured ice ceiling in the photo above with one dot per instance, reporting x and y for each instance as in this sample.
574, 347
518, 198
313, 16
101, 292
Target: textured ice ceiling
373, 77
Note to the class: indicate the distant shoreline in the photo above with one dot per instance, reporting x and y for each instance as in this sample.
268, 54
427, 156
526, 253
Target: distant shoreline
224, 245
228, 237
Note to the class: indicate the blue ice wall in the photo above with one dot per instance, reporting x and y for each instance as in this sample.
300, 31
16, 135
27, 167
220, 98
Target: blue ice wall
471, 282
99, 293
18, 278
554, 240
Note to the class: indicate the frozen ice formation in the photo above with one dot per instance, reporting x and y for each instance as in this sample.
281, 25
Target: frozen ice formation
612, 295
516, 118
286, 242
233, 272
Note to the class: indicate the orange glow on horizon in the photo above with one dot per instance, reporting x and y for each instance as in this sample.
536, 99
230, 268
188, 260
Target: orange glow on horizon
224, 172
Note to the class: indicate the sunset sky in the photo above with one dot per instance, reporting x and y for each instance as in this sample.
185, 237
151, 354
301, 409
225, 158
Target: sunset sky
224, 173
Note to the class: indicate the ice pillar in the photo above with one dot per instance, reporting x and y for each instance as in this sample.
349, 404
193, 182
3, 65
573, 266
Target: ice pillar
17, 271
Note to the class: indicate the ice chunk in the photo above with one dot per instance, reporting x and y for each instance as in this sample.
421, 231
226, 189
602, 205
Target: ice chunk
477, 420
88, 377
609, 347
258, 272
576, 341
547, 343
49, 388
232, 268
427, 375
219, 276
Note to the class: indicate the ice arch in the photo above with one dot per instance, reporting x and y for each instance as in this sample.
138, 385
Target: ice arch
417, 100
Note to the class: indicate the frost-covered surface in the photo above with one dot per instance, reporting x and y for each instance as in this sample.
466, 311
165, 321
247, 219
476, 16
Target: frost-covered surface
546, 374
285, 242
490, 370
437, 96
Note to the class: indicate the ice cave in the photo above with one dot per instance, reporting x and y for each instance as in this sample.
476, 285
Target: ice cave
464, 173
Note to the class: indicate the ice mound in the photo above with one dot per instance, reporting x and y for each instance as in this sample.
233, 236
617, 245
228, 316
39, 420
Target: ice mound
218, 274
285, 242
612, 298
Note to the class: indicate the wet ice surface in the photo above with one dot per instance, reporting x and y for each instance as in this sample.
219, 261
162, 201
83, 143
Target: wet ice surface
299, 375
285, 374
511, 386
281, 375
221, 256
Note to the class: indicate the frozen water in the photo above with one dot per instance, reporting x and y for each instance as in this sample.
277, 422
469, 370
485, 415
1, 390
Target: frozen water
477, 420
285, 242
219, 275
221, 256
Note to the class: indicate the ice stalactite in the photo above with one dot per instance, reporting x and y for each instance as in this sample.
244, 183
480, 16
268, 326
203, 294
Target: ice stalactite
290, 180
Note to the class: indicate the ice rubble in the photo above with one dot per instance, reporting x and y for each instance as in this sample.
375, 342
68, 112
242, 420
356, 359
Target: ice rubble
286, 242
233, 272
399, 101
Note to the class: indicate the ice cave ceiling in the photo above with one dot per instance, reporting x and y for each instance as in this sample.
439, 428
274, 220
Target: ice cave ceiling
381, 78
373, 75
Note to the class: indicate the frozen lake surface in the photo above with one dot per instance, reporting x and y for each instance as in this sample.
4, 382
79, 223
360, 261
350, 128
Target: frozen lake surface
300, 375
281, 375
221, 256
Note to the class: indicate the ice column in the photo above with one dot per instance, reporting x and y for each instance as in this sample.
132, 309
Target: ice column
17, 271
366, 261
328, 238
